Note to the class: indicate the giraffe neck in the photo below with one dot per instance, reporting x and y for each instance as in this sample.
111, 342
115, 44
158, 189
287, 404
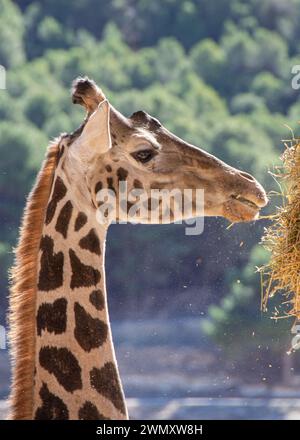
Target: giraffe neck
76, 374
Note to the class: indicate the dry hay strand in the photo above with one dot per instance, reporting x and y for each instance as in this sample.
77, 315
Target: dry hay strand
282, 238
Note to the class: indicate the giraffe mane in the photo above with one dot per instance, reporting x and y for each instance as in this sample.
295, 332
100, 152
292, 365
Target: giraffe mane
23, 289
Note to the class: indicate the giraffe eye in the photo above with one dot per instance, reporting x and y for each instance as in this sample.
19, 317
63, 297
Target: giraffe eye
143, 156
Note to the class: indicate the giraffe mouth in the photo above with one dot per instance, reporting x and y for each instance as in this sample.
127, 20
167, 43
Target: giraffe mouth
240, 209
246, 202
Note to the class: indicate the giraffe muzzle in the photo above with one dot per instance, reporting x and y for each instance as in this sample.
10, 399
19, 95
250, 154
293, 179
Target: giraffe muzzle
240, 208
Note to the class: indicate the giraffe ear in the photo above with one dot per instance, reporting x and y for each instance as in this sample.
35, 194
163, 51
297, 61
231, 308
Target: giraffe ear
95, 138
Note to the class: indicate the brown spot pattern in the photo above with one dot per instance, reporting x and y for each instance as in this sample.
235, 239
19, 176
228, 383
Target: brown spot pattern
89, 411
59, 193
122, 174
110, 184
89, 332
80, 221
52, 317
53, 407
82, 275
137, 184
98, 186
64, 365
108, 168
63, 220
97, 299
91, 242
51, 272
106, 381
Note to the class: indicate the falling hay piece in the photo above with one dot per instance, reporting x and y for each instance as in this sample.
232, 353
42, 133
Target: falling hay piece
282, 238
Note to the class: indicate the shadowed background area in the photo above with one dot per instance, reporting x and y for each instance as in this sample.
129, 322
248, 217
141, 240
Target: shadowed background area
185, 310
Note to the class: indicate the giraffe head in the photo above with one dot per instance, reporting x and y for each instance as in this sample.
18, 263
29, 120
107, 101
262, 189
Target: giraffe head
112, 148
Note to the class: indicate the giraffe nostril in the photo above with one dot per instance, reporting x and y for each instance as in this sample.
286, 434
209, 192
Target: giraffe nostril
247, 176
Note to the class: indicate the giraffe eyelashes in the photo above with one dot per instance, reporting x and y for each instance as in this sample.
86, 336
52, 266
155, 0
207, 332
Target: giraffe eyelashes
144, 156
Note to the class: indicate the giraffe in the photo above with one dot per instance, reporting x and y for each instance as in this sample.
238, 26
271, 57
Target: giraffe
64, 364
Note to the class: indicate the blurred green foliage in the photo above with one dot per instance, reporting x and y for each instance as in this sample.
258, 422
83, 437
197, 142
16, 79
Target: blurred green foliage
216, 72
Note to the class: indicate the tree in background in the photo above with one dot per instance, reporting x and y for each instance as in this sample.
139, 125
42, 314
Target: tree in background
11, 35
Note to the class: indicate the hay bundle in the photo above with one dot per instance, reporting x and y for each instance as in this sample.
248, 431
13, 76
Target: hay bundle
282, 237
